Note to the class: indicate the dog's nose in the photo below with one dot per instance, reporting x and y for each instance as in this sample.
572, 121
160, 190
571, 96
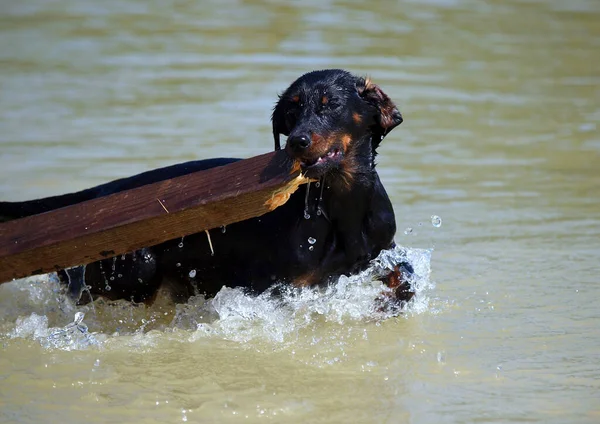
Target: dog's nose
299, 142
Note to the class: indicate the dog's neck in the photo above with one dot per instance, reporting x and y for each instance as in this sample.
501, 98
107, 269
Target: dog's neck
356, 171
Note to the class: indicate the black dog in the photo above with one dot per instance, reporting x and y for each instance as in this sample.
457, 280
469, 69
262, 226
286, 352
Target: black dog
334, 122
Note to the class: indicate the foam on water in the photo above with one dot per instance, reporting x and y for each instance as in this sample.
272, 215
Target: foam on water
277, 315
73, 336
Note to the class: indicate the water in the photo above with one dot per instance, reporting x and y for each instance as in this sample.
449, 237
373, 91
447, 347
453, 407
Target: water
500, 139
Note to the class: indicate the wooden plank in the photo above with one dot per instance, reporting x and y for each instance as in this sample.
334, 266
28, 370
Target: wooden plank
145, 216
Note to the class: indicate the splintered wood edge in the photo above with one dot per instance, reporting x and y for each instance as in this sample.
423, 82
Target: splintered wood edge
282, 195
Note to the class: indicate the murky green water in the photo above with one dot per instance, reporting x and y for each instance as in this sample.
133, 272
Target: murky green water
501, 101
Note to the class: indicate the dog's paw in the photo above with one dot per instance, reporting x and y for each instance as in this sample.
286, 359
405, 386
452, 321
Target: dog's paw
398, 281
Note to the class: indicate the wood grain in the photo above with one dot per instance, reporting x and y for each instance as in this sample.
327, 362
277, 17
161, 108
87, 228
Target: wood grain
145, 216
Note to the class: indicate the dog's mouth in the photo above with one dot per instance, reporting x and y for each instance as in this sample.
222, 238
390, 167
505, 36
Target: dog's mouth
321, 164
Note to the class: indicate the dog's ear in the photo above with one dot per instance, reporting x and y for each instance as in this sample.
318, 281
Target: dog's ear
388, 116
279, 125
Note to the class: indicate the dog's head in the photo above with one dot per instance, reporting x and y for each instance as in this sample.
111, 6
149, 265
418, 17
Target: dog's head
328, 116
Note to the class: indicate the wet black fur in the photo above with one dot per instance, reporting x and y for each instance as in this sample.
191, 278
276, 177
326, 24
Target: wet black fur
350, 224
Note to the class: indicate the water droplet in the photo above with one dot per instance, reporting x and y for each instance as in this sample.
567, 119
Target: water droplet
177, 264
78, 318
318, 184
436, 221
223, 229
408, 230
306, 215
319, 212
107, 288
112, 278
140, 280
120, 275
312, 240
311, 248
122, 257
420, 224
192, 273
180, 245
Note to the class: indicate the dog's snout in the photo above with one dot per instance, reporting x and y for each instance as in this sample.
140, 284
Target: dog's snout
299, 142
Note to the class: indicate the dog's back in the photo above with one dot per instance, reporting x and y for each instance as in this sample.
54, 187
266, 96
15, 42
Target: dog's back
15, 210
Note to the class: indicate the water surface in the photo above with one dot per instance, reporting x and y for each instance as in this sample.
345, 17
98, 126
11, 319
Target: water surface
500, 139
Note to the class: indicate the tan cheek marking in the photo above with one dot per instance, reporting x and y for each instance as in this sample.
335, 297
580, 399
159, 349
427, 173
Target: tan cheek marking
347, 172
356, 118
296, 99
324, 100
346, 140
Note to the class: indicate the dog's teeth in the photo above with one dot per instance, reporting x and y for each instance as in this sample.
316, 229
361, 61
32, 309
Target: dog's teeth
330, 154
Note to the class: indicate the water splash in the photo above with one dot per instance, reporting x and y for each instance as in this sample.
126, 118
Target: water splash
73, 336
34, 326
282, 311
320, 210
306, 214
436, 221
282, 314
